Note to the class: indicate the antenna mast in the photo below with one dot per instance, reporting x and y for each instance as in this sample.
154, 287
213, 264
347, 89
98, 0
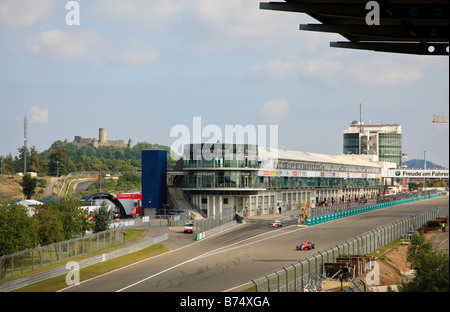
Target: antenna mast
360, 119
25, 126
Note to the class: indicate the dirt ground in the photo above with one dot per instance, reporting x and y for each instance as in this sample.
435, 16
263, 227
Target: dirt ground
393, 266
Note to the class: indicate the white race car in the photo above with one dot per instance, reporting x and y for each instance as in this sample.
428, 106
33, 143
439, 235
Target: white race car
276, 223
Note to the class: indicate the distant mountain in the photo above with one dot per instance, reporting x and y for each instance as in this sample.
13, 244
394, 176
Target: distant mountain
418, 164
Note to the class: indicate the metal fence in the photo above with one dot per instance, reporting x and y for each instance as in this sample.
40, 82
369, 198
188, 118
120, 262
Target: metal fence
206, 224
30, 260
62, 269
306, 274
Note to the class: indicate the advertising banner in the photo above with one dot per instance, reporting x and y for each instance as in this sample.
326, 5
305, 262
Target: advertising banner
409, 173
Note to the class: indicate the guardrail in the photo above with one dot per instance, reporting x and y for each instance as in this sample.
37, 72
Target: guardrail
303, 274
60, 270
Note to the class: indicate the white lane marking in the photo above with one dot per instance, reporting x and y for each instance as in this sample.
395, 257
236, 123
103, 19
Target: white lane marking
124, 267
210, 253
143, 260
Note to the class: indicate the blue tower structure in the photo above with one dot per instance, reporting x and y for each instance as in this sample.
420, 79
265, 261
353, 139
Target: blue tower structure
154, 179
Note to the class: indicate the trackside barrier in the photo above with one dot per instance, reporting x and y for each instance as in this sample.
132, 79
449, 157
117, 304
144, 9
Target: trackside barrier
212, 231
60, 270
306, 275
213, 224
343, 214
27, 261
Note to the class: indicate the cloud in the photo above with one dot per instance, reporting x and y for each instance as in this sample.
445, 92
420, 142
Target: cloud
349, 66
275, 110
385, 71
39, 115
16, 15
138, 13
63, 44
244, 18
323, 67
274, 68
136, 53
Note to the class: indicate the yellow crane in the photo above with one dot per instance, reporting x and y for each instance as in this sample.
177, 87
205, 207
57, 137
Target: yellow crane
440, 119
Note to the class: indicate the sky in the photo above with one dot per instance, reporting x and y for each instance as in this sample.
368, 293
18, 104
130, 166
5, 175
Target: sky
139, 68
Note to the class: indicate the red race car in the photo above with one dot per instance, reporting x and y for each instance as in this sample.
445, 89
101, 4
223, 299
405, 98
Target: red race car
276, 223
305, 246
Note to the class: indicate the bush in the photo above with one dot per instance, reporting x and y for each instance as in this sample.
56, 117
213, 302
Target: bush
431, 267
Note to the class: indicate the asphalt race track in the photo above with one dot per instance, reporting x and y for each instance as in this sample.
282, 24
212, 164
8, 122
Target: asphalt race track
229, 260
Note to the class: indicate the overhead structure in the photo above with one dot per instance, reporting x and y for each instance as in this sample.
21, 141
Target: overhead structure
113, 199
440, 119
418, 27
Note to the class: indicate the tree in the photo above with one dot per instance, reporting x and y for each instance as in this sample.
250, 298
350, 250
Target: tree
72, 217
28, 185
60, 162
102, 218
34, 161
49, 224
17, 232
23, 152
431, 267
8, 164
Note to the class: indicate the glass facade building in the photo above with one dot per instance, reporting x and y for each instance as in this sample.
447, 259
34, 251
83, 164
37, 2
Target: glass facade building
237, 176
390, 148
351, 143
385, 141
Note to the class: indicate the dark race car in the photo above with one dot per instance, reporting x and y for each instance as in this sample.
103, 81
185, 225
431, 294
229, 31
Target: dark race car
305, 246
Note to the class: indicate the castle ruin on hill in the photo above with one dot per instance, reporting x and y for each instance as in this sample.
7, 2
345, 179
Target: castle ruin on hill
102, 141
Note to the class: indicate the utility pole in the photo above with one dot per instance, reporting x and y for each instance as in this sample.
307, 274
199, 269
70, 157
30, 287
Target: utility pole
360, 118
424, 168
1, 181
100, 176
25, 126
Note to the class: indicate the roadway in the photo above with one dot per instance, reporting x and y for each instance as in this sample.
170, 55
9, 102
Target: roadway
229, 260
81, 186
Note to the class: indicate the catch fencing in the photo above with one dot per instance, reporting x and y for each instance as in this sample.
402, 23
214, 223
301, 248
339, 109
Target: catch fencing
305, 274
206, 226
63, 269
30, 260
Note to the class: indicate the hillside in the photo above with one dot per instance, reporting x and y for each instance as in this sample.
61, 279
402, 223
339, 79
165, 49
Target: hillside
11, 189
418, 164
62, 158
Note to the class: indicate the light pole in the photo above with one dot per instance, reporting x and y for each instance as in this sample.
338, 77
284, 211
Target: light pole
1, 180
57, 168
100, 176
424, 168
